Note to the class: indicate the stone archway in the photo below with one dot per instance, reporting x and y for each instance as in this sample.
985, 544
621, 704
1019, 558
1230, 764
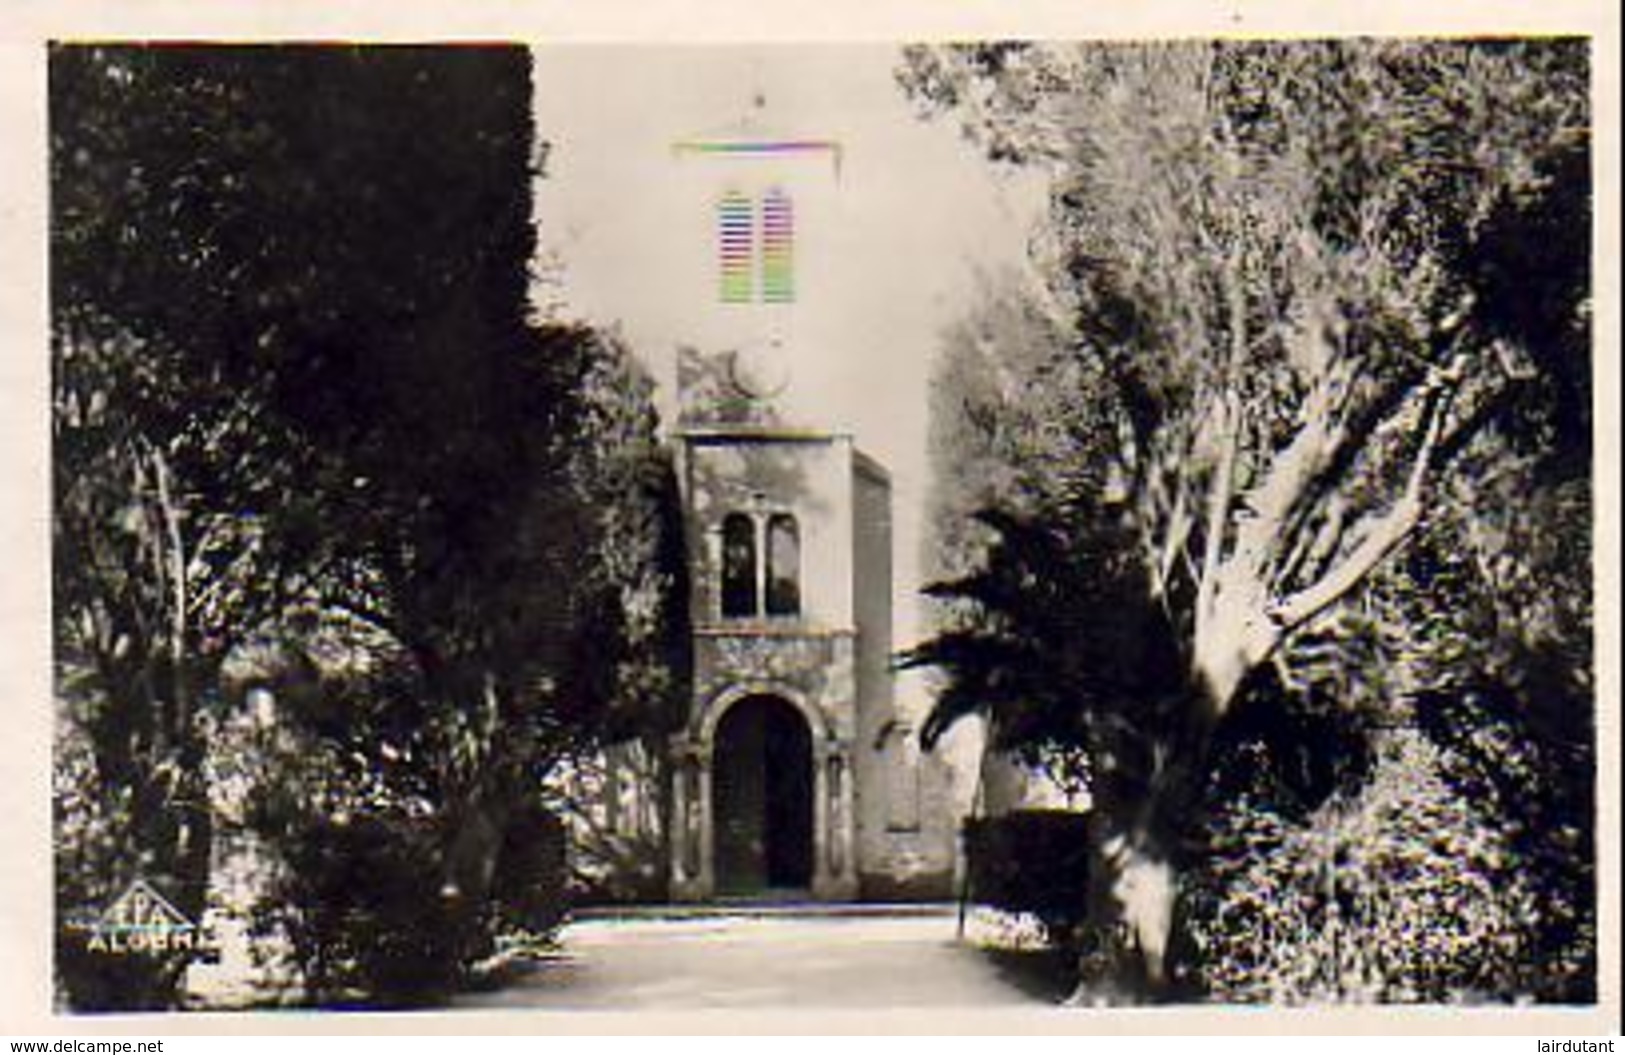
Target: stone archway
762, 798
703, 753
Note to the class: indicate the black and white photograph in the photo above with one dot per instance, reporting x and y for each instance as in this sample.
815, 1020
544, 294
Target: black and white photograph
1037, 525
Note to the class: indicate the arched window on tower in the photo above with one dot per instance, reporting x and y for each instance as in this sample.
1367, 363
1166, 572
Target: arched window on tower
738, 565
783, 565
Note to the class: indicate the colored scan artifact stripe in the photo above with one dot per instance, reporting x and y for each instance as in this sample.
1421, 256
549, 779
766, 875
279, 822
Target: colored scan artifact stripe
757, 147
735, 246
778, 238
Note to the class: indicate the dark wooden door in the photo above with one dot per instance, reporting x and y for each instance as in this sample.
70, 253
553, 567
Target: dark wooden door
762, 798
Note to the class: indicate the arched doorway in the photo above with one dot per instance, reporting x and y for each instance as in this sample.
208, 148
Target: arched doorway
762, 798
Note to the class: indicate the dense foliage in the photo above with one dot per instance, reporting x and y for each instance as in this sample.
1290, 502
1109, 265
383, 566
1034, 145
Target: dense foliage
308, 439
1302, 395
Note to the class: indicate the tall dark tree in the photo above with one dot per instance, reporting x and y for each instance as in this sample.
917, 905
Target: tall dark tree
298, 388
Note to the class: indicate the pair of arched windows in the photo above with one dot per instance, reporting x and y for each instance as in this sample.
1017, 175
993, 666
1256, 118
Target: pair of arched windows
753, 586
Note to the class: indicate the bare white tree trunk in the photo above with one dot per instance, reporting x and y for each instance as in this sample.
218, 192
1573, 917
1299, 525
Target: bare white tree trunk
1254, 544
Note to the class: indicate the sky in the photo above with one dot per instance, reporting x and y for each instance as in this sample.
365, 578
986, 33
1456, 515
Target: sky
887, 258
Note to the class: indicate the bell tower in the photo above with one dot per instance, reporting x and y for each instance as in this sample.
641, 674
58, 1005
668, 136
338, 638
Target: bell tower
792, 776
764, 791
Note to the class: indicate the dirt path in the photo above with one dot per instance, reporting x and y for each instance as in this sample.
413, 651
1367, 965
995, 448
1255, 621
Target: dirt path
778, 960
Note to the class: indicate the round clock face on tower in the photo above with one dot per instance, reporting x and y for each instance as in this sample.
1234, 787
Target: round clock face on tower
760, 370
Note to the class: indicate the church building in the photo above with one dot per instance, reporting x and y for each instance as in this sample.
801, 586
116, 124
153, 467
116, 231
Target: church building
795, 775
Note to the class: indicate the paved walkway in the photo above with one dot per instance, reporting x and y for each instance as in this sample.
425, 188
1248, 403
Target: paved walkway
778, 959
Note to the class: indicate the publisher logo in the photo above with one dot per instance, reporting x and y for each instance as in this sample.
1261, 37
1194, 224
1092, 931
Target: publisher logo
142, 922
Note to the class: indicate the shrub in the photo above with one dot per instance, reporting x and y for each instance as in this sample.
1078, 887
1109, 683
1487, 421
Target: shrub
528, 884
1400, 890
1031, 861
367, 914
